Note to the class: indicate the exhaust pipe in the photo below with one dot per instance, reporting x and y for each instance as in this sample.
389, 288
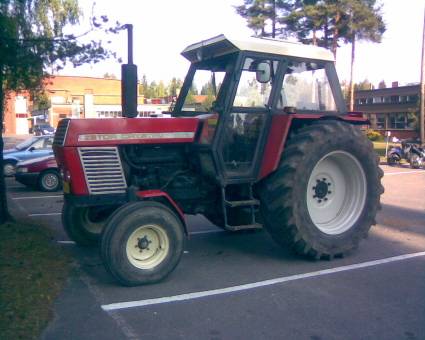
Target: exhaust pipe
129, 80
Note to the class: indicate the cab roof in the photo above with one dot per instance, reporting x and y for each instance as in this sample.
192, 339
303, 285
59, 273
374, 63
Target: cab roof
222, 45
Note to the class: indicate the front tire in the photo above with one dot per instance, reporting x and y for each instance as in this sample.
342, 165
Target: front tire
324, 196
84, 225
49, 181
142, 243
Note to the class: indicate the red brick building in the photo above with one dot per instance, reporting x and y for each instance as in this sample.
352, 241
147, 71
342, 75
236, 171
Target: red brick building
71, 97
394, 109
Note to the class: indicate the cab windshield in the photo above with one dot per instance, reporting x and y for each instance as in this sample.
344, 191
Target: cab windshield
204, 84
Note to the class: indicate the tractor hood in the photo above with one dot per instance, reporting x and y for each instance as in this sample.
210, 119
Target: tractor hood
115, 131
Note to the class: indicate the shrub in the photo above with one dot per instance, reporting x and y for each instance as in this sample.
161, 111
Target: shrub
374, 135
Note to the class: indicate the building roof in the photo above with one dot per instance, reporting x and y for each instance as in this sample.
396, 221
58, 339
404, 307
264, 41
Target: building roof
222, 45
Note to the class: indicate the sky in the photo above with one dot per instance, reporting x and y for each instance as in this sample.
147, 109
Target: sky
162, 29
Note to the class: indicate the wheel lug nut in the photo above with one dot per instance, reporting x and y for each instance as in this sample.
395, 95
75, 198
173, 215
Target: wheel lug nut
314, 188
329, 192
325, 199
320, 201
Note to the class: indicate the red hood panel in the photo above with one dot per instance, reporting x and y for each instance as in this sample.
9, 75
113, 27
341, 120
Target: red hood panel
113, 131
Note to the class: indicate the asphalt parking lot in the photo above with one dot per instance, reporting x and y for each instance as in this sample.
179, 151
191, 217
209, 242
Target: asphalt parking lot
243, 286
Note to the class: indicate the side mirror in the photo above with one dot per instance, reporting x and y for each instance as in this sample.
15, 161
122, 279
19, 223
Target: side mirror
31, 149
263, 72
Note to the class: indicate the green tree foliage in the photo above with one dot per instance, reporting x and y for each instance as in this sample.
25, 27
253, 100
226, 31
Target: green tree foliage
262, 16
382, 85
108, 75
364, 85
32, 41
174, 87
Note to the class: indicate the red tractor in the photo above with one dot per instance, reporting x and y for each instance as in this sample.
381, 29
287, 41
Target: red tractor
268, 144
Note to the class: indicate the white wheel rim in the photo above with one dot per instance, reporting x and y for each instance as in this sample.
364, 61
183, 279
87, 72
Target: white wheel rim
8, 169
50, 181
336, 192
147, 246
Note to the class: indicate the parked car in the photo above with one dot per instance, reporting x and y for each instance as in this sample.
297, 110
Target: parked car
41, 173
31, 148
43, 130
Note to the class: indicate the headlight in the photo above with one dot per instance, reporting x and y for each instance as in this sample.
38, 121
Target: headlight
22, 170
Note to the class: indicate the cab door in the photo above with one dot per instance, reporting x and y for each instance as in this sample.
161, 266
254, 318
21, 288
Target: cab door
240, 141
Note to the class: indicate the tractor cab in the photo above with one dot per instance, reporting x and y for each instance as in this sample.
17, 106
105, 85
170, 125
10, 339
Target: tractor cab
241, 86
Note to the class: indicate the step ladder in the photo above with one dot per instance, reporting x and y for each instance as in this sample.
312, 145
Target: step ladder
249, 202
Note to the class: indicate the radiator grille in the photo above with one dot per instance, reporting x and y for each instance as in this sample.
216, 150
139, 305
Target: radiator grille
60, 133
103, 170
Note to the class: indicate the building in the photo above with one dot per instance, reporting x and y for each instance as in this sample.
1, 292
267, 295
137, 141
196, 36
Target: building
73, 97
394, 109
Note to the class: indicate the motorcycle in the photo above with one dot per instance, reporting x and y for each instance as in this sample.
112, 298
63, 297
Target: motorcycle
411, 152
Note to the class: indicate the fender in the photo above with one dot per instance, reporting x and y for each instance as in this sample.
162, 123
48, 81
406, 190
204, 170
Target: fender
162, 196
279, 130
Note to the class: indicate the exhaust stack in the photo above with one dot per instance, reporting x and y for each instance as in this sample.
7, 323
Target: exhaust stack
129, 80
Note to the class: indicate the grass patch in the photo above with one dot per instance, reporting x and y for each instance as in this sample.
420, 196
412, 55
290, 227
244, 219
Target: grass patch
32, 272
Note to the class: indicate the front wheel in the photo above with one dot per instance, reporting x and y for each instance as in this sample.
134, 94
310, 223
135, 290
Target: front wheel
393, 159
142, 243
324, 197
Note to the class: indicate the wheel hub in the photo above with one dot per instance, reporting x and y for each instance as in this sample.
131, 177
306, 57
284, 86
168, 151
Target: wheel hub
321, 190
143, 243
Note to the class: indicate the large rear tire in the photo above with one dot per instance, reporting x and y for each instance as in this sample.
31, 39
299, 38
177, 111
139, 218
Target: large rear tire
324, 196
142, 243
84, 225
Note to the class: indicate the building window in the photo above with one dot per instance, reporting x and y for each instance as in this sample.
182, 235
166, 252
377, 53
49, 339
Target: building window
377, 121
407, 121
413, 98
397, 121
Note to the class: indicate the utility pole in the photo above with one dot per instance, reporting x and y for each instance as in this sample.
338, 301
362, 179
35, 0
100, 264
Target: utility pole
422, 95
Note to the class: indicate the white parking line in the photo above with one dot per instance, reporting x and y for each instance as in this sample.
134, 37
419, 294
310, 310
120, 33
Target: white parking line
34, 197
50, 214
403, 172
66, 242
203, 294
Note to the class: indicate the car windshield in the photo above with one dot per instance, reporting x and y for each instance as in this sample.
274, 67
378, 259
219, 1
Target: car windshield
26, 143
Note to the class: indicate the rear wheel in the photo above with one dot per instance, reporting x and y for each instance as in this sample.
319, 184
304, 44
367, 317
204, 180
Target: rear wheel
324, 197
142, 243
84, 225
415, 161
49, 181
